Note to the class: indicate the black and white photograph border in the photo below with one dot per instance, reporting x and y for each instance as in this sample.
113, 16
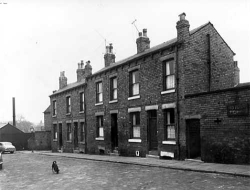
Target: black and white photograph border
151, 94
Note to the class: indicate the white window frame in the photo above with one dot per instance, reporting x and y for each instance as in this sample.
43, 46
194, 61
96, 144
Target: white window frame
113, 89
54, 111
99, 126
68, 104
69, 132
82, 101
99, 93
133, 84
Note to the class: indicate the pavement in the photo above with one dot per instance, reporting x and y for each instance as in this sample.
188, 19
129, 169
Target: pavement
187, 165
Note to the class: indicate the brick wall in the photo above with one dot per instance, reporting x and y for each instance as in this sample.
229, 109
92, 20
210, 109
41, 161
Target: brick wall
151, 86
192, 71
194, 60
40, 140
47, 121
227, 141
62, 117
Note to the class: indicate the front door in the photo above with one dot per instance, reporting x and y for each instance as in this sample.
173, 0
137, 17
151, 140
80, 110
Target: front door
60, 136
193, 138
152, 130
75, 135
114, 131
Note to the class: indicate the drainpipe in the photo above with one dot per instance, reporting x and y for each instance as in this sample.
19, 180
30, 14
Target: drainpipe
85, 119
177, 101
209, 62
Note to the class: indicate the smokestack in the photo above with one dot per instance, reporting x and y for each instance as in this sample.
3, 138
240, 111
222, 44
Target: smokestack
14, 112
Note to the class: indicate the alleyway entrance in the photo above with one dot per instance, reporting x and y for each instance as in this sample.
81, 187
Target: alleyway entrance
60, 136
193, 138
75, 135
114, 132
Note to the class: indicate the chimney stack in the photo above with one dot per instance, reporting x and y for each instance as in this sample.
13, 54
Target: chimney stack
80, 71
236, 74
88, 69
142, 41
182, 27
62, 80
14, 112
109, 57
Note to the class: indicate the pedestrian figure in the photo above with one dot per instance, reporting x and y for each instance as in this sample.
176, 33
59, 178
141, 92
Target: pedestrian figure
55, 167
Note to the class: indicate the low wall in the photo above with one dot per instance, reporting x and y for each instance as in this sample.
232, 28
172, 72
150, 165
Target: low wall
40, 140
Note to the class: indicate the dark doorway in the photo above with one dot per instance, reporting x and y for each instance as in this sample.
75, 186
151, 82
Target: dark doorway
193, 138
114, 132
75, 135
152, 130
60, 136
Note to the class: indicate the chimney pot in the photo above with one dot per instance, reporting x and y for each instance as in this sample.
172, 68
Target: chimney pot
143, 42
110, 48
182, 16
144, 32
109, 56
107, 49
62, 74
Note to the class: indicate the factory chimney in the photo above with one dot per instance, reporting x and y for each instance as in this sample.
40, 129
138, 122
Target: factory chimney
14, 112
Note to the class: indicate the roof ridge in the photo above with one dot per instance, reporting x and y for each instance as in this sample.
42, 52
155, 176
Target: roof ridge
152, 49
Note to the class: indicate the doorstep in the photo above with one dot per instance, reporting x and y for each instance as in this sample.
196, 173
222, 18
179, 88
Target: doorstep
152, 156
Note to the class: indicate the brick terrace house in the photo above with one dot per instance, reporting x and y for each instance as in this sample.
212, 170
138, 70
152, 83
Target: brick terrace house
68, 112
180, 99
150, 103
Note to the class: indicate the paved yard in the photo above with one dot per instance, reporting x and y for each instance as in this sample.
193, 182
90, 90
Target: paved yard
33, 171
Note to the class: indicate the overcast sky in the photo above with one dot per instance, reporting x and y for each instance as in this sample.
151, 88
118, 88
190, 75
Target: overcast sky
38, 39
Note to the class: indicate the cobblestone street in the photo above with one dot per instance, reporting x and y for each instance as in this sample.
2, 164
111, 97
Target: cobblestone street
33, 171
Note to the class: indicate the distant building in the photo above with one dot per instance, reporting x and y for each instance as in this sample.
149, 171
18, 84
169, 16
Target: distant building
180, 99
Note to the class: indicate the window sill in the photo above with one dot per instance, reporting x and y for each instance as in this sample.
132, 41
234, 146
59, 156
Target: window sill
168, 91
169, 142
97, 104
82, 142
134, 140
99, 138
81, 112
54, 140
68, 113
134, 97
113, 101
53, 115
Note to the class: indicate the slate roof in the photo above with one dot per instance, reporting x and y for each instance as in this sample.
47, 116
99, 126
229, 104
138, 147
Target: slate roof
47, 110
153, 49
124, 61
2, 125
69, 86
